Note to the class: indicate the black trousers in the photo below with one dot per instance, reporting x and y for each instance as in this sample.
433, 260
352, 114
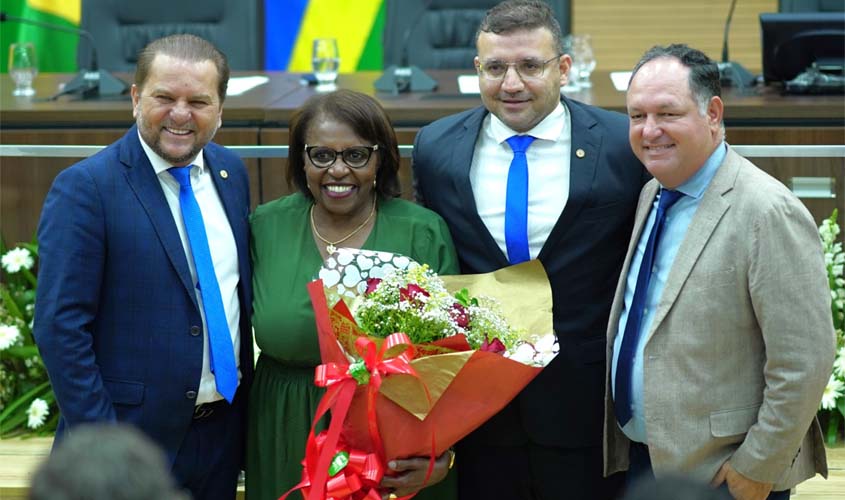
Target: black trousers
209, 460
533, 472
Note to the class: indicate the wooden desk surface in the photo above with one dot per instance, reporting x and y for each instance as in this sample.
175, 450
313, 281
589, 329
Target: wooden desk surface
67, 111
273, 103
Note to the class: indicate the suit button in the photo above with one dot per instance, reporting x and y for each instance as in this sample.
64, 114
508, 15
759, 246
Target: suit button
191, 394
195, 330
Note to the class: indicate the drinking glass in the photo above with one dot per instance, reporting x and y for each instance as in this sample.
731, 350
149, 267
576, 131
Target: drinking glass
585, 60
22, 68
573, 83
325, 60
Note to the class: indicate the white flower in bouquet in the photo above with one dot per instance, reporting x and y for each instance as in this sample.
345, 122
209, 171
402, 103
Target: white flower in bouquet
415, 301
17, 259
9, 335
832, 392
37, 413
537, 351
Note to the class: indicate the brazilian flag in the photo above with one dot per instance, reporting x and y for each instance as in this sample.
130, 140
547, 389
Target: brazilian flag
54, 50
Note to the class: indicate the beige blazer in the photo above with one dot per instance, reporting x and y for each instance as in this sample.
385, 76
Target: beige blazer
742, 343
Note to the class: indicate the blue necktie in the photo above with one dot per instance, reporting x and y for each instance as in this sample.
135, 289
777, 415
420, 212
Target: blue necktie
625, 360
219, 339
516, 201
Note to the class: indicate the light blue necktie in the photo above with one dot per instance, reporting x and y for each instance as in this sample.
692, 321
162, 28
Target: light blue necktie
625, 360
219, 339
516, 201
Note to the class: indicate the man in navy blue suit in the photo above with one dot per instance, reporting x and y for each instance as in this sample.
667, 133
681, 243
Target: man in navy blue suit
144, 295
577, 213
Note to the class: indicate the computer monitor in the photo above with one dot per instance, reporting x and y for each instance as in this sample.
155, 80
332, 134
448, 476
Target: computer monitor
793, 41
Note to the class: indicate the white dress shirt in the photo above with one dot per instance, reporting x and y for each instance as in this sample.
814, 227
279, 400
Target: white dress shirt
548, 176
224, 254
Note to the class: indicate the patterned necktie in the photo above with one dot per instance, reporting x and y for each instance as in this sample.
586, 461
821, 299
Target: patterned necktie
219, 339
625, 360
516, 201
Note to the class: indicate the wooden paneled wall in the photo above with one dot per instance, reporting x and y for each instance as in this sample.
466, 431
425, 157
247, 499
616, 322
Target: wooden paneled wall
623, 29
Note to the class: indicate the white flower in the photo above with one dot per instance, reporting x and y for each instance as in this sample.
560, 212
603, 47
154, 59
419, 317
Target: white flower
536, 352
37, 413
9, 334
17, 259
839, 364
831, 393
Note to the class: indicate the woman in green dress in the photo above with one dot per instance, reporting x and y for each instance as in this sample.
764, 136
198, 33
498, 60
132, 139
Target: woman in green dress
344, 160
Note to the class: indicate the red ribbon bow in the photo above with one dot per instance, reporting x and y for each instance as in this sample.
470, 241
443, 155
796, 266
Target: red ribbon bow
358, 480
341, 385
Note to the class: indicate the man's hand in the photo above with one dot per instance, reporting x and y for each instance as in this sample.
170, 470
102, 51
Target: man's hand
411, 477
740, 487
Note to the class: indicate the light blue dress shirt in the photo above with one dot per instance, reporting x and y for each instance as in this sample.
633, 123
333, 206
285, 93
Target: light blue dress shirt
678, 219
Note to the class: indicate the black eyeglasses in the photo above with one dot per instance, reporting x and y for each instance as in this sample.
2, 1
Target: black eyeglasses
354, 157
527, 68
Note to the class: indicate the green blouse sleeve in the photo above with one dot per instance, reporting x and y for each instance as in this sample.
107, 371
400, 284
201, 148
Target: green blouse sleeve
447, 258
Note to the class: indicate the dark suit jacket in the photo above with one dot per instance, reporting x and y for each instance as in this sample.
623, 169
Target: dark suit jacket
116, 313
583, 256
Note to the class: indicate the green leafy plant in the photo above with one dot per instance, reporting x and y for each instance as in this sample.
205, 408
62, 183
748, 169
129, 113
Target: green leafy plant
832, 411
27, 403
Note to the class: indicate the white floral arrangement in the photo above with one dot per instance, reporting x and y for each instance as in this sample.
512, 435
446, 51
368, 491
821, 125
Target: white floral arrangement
27, 403
833, 400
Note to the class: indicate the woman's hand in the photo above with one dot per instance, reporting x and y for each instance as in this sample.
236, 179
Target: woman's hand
411, 474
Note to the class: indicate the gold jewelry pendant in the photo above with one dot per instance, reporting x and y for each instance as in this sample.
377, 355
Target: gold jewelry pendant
330, 249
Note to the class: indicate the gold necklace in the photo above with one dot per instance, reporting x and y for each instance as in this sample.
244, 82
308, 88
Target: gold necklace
331, 245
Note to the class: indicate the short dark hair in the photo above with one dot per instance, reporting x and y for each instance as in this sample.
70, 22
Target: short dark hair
704, 80
186, 48
365, 116
515, 15
105, 462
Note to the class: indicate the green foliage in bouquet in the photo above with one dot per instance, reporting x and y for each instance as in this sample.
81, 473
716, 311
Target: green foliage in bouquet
832, 410
27, 403
415, 301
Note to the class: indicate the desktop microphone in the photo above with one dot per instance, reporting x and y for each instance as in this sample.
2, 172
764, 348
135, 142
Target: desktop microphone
732, 74
89, 83
405, 77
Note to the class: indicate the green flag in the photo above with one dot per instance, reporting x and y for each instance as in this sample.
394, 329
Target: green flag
55, 50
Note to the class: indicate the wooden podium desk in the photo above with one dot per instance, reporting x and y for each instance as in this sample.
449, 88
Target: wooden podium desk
760, 116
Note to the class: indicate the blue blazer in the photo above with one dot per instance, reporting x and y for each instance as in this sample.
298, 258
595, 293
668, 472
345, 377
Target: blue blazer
116, 320
583, 257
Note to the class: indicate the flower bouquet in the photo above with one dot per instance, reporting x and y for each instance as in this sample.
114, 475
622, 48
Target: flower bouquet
410, 367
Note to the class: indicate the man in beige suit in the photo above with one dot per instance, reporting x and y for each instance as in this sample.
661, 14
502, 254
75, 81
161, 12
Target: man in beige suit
718, 354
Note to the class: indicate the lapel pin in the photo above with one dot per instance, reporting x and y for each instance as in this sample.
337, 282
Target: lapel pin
580, 153
224, 174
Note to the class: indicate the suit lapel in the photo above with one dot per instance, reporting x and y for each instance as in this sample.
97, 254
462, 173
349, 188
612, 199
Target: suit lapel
142, 179
711, 210
462, 153
643, 208
231, 204
582, 171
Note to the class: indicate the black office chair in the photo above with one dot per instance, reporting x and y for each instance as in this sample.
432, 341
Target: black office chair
121, 29
811, 5
441, 33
